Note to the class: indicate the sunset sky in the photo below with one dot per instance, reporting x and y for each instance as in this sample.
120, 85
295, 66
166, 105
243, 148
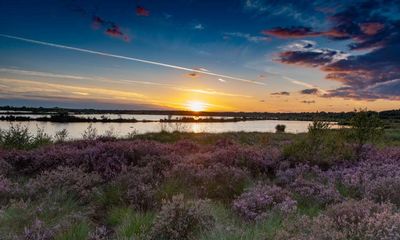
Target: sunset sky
214, 55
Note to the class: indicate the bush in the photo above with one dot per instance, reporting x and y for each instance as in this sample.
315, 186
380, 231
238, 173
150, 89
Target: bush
260, 201
217, 181
37, 231
139, 186
69, 179
258, 161
287, 176
221, 182
309, 191
90, 133
18, 137
364, 220
321, 146
384, 189
357, 219
181, 220
8, 189
365, 126
375, 176
280, 128
61, 136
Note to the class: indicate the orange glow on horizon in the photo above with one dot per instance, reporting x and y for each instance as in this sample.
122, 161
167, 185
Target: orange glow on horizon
196, 106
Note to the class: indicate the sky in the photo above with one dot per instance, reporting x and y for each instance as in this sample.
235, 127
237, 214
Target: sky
201, 55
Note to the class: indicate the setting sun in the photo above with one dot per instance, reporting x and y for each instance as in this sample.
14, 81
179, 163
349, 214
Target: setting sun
196, 106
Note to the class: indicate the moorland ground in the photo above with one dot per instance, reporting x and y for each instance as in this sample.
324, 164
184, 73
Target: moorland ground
324, 184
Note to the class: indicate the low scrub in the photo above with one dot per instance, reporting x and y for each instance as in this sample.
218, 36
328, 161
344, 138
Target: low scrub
317, 185
180, 219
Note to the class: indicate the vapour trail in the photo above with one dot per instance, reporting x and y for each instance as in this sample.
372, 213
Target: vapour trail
129, 58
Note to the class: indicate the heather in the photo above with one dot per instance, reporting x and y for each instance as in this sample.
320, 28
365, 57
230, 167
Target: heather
203, 186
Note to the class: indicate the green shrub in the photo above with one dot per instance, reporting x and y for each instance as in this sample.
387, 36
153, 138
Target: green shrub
321, 146
365, 126
18, 137
61, 136
280, 128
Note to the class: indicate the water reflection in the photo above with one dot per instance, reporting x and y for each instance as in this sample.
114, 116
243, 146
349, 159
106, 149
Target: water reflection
75, 130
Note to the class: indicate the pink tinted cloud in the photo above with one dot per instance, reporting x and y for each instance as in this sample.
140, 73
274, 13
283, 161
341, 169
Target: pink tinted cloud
110, 28
141, 11
371, 28
291, 32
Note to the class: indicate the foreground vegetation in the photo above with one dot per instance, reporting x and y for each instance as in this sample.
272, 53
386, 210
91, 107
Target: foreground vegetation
326, 184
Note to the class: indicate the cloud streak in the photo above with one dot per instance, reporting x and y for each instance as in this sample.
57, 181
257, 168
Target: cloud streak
97, 79
130, 59
247, 37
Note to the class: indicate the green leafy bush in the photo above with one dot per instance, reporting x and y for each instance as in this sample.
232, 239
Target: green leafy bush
280, 128
365, 126
321, 146
18, 137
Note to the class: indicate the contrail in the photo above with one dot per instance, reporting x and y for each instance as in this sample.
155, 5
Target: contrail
129, 58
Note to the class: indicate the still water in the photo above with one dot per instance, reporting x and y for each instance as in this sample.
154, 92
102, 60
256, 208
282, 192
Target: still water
75, 130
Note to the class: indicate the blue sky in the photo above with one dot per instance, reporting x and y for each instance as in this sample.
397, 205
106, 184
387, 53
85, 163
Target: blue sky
276, 46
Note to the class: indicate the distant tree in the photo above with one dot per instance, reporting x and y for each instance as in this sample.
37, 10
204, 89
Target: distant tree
365, 126
280, 128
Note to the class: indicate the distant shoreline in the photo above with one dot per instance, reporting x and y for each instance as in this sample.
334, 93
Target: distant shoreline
187, 116
73, 119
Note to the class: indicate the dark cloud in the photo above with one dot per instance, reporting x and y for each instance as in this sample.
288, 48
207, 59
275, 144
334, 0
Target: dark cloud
310, 91
110, 28
98, 22
310, 57
291, 32
308, 101
115, 31
281, 93
141, 11
192, 75
367, 25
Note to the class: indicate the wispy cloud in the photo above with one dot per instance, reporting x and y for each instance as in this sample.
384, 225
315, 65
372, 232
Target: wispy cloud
301, 83
41, 74
28, 87
131, 59
98, 79
199, 26
246, 36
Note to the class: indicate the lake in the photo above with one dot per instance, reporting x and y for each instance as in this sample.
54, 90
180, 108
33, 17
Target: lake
75, 130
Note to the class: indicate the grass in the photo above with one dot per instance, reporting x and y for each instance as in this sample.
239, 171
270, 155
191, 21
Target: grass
129, 224
78, 231
230, 226
54, 209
